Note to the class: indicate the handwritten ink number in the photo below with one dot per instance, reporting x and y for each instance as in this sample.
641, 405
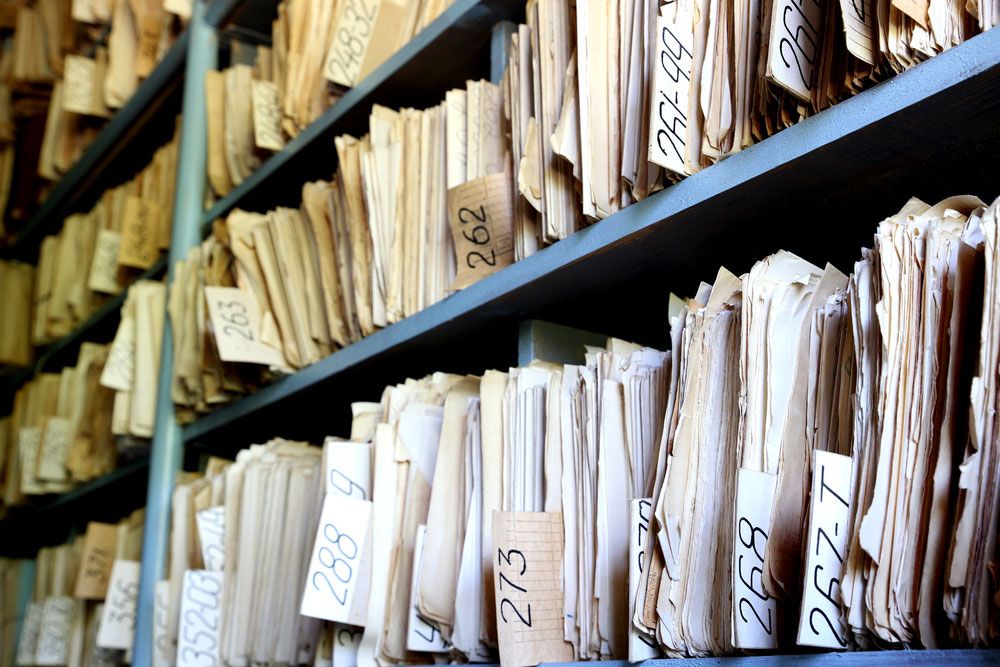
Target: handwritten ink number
522, 619
511, 552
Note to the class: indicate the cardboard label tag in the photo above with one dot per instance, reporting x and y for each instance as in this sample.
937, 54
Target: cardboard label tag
163, 647
104, 267
212, 536
236, 324
117, 629
794, 44
482, 225
350, 41
30, 627
52, 454
96, 560
150, 27
421, 635
54, 634
346, 640
340, 569
527, 580
755, 613
201, 606
266, 115
139, 234
78, 84
822, 620
29, 439
671, 93
348, 468
640, 645
120, 365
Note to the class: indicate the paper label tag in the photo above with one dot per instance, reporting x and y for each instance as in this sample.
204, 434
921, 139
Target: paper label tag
30, 628
340, 564
53, 638
104, 267
29, 439
859, 28
754, 611
482, 226
640, 645
421, 635
201, 606
138, 247
527, 580
212, 536
350, 40
120, 365
348, 468
78, 84
96, 559
117, 629
163, 647
55, 444
236, 324
794, 45
671, 94
822, 620
266, 115
150, 27
346, 640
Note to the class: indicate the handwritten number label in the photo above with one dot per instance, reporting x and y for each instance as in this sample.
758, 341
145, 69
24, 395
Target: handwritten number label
266, 115
482, 227
212, 536
103, 276
754, 611
672, 93
795, 25
351, 36
235, 318
198, 633
337, 569
822, 622
641, 645
117, 627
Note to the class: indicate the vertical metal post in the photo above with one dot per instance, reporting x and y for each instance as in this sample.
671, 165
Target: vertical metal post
167, 446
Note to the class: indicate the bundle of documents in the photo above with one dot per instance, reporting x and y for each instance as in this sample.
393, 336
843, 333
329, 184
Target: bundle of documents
240, 546
133, 366
608, 103
420, 207
60, 432
82, 607
98, 253
84, 59
797, 470
319, 49
17, 288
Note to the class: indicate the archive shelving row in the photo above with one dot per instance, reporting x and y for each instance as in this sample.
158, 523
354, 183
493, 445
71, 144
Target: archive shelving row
817, 189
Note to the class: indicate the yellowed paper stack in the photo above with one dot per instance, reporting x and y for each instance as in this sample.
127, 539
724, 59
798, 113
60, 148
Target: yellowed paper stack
83, 602
17, 286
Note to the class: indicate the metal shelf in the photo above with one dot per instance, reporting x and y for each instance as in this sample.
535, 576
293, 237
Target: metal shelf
914, 658
117, 152
453, 48
50, 519
817, 188
99, 327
